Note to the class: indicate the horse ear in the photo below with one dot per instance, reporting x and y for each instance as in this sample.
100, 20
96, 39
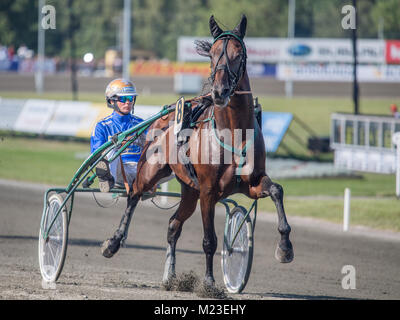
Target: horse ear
214, 28
240, 29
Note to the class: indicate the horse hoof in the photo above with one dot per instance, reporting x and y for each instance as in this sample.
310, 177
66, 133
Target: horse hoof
168, 283
284, 256
110, 247
209, 282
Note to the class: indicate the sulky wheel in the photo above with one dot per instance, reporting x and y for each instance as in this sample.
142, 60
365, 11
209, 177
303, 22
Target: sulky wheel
237, 257
53, 243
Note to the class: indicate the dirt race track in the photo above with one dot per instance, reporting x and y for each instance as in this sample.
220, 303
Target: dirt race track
321, 250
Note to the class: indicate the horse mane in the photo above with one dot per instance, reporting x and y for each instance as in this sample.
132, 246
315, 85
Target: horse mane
203, 47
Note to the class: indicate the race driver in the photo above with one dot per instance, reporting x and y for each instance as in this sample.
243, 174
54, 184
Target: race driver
121, 97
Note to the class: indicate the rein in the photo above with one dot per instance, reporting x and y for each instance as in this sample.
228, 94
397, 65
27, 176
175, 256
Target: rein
209, 94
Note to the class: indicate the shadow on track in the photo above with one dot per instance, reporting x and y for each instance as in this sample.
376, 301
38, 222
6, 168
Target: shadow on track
96, 243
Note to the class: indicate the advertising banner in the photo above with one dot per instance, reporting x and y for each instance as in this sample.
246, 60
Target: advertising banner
274, 50
10, 110
101, 111
70, 117
35, 116
274, 127
167, 68
339, 73
393, 51
64, 118
261, 70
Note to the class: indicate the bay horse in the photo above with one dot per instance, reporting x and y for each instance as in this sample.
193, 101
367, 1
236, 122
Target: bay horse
230, 107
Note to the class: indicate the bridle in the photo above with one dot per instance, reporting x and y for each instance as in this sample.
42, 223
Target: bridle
233, 78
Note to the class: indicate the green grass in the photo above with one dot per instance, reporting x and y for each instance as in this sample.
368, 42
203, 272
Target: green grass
38, 160
368, 185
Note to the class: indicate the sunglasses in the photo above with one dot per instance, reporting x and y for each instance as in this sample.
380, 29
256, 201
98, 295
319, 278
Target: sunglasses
124, 98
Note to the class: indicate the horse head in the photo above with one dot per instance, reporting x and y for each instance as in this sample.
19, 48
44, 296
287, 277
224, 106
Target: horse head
228, 59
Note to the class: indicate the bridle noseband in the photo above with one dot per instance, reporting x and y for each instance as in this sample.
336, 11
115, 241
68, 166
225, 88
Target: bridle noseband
233, 78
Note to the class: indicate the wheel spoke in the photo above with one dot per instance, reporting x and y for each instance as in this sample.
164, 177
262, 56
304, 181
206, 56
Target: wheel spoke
51, 252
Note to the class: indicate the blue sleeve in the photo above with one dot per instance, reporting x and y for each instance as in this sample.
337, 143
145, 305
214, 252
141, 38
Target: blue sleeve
98, 138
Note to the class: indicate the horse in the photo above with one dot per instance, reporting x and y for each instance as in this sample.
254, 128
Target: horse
230, 107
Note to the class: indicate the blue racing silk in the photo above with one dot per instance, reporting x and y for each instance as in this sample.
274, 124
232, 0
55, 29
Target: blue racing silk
109, 126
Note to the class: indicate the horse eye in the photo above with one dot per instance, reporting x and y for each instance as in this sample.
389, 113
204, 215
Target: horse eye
236, 58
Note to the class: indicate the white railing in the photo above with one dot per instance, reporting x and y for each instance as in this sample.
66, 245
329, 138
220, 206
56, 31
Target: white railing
364, 142
396, 141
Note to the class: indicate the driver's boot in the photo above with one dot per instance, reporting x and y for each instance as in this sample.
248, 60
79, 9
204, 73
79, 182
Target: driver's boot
106, 180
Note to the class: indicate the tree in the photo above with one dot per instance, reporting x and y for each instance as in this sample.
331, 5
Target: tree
18, 22
266, 18
389, 12
156, 24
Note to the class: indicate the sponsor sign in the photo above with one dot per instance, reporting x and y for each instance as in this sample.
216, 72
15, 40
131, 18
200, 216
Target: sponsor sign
340, 50
274, 50
393, 51
261, 70
336, 72
10, 110
70, 117
274, 127
142, 111
67, 118
166, 68
35, 116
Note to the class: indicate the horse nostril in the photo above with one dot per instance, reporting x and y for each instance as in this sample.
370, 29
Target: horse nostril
216, 94
225, 92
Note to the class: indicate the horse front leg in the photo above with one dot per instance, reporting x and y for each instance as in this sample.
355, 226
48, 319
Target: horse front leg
210, 238
284, 250
112, 245
146, 179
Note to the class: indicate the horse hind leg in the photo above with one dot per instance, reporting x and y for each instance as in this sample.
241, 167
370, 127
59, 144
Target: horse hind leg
184, 211
284, 250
